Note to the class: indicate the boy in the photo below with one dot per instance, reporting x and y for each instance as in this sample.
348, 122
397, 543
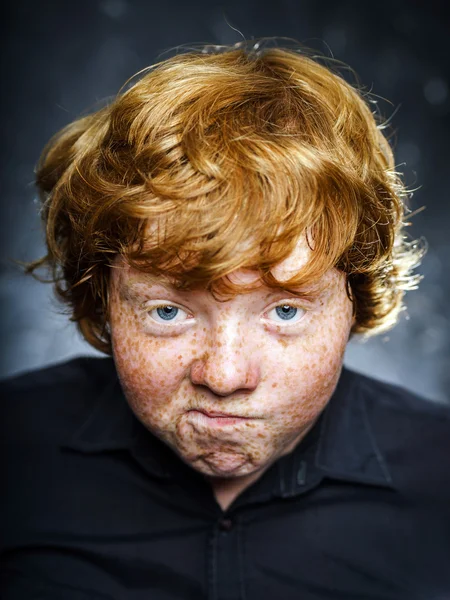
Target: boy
220, 231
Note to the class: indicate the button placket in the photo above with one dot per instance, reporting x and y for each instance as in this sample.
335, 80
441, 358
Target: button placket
227, 552
225, 524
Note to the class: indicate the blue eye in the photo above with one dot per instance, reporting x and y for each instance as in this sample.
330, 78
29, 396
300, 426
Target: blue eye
289, 313
286, 312
165, 312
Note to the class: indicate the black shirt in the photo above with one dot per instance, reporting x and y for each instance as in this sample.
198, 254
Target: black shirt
94, 506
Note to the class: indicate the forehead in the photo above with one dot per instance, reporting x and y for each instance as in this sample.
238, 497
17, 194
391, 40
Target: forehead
292, 265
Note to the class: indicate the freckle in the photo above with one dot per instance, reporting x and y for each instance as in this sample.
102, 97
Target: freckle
274, 385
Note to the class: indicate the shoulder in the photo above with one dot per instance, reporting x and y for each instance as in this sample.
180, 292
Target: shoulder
412, 435
46, 403
383, 397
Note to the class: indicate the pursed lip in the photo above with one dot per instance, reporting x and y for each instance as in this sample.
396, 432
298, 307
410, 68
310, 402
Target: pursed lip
215, 414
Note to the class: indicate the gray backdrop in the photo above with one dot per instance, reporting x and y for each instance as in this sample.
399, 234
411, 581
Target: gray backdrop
60, 58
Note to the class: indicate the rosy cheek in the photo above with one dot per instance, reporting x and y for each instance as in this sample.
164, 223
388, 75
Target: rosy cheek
151, 370
312, 361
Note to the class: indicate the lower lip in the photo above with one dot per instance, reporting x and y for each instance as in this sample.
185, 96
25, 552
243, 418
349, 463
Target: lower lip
218, 421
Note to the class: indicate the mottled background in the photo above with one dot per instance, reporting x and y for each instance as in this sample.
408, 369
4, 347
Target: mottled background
61, 58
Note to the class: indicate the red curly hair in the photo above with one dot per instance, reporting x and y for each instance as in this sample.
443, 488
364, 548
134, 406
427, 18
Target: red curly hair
217, 149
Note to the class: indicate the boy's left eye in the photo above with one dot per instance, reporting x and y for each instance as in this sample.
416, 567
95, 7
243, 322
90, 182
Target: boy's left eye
288, 313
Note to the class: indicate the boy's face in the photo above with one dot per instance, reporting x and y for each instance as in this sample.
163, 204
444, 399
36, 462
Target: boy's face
265, 356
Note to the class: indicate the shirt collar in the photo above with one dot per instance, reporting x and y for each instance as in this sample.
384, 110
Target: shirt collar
347, 447
342, 442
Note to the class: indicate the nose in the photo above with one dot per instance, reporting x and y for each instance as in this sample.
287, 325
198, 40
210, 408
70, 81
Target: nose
228, 364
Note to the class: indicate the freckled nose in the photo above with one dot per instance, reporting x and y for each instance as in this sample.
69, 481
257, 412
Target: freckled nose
226, 368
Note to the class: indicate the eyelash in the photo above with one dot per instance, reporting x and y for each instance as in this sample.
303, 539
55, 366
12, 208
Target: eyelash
164, 326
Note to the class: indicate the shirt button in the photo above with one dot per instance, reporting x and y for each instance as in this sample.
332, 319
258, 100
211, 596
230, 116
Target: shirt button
225, 524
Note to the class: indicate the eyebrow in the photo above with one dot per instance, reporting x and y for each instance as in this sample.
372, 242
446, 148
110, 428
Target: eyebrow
130, 288
147, 280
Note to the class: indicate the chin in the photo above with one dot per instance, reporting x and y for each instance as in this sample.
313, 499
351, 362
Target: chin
222, 465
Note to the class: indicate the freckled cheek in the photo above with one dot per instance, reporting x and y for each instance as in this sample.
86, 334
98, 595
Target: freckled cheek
150, 368
307, 370
157, 372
